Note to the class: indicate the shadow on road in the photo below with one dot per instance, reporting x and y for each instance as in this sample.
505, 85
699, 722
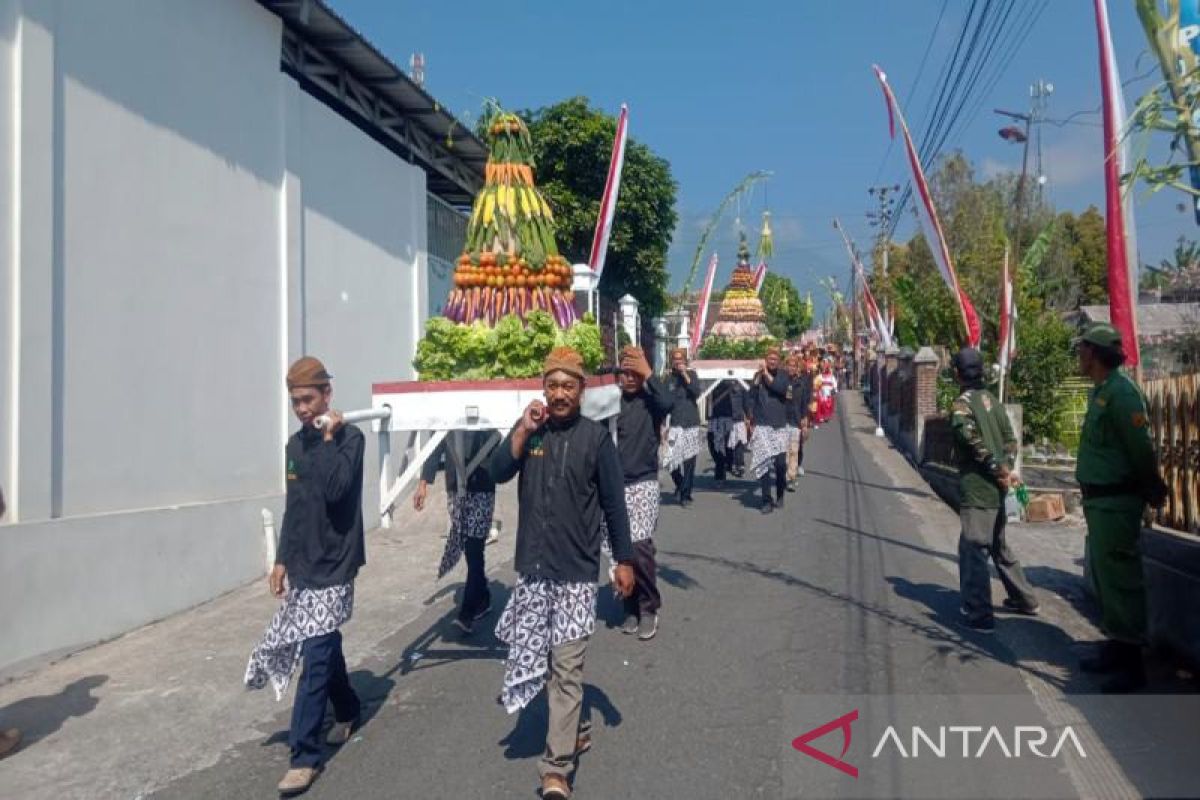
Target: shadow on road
40, 716
1026, 640
677, 578
941, 627
887, 540
1068, 586
898, 489
372, 690
527, 739
427, 649
445, 591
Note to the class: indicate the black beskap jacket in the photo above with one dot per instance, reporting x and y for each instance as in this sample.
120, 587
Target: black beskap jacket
570, 476
729, 400
321, 540
480, 480
685, 414
639, 430
802, 386
770, 400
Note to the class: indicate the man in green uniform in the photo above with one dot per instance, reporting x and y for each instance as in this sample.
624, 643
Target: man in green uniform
1117, 472
986, 450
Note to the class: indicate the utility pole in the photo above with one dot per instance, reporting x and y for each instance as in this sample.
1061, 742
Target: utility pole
1039, 93
853, 325
1015, 134
881, 220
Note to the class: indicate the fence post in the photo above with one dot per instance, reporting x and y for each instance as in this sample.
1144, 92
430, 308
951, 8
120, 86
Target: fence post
925, 364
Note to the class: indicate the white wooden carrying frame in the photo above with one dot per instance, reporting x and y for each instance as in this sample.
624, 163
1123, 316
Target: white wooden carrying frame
451, 408
715, 373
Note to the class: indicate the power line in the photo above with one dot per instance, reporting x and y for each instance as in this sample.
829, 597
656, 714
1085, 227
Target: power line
937, 96
943, 117
932, 148
952, 67
1014, 45
1013, 36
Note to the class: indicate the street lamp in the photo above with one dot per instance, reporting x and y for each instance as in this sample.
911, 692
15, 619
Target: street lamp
1015, 135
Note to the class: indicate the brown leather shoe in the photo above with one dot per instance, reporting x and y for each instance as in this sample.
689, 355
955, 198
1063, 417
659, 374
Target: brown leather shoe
297, 781
10, 740
555, 787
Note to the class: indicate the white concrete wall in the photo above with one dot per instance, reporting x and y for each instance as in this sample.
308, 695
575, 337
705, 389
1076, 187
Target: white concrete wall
177, 222
362, 276
8, 224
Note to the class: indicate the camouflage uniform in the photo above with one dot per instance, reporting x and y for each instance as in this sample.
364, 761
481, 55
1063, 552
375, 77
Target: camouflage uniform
985, 446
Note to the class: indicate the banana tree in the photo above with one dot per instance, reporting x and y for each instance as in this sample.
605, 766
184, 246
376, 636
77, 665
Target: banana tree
1173, 106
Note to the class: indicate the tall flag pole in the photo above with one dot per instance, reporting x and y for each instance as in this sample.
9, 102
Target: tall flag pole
608, 203
876, 319
702, 308
1008, 323
929, 217
1122, 246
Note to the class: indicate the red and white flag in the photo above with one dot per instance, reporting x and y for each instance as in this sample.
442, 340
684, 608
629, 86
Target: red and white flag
1008, 318
702, 306
608, 203
875, 318
1122, 245
760, 275
928, 215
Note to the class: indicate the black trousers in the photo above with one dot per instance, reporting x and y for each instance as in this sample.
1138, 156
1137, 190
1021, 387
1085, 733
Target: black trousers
476, 596
720, 457
779, 467
684, 477
324, 679
645, 598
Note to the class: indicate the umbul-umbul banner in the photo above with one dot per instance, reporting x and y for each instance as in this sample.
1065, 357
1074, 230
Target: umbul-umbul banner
928, 214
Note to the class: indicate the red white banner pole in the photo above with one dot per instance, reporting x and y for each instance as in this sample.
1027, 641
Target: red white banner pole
928, 214
608, 203
702, 306
1122, 247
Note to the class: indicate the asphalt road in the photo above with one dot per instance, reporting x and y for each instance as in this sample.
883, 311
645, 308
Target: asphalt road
840, 593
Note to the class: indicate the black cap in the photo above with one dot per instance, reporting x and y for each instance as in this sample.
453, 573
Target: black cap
966, 359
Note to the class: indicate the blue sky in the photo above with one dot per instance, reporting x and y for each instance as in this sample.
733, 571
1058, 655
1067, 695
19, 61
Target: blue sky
723, 88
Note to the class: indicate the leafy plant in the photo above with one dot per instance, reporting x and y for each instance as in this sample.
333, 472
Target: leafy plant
584, 338
723, 348
511, 350
1044, 360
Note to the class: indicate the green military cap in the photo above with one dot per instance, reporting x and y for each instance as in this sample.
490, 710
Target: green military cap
1101, 334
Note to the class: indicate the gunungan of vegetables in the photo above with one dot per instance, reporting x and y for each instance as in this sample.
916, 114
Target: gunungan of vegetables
510, 264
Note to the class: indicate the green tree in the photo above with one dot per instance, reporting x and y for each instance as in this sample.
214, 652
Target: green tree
1075, 269
1065, 267
572, 144
788, 315
1044, 357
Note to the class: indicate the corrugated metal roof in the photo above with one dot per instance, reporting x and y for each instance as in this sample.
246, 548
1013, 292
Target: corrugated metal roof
1154, 319
456, 171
